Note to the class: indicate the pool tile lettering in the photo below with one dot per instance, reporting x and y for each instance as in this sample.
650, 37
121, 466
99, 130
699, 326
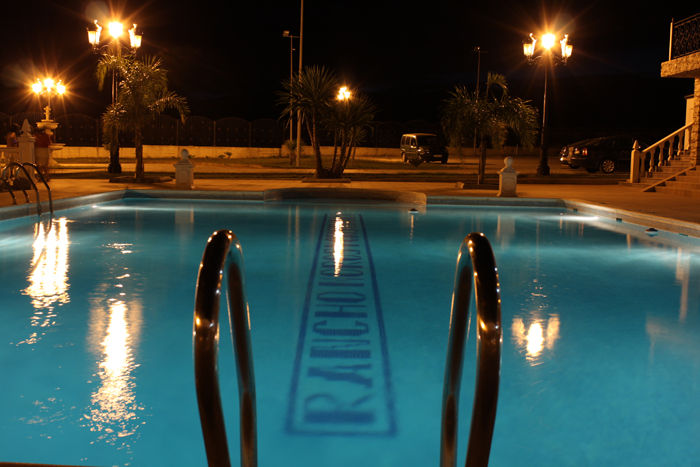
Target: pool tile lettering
341, 384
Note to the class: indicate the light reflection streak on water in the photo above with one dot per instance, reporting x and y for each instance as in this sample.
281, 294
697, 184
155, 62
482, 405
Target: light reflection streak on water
114, 328
123, 248
48, 275
114, 411
338, 245
534, 338
48, 279
573, 218
683, 279
132, 208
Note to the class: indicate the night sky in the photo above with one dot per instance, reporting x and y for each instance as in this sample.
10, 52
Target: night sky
229, 57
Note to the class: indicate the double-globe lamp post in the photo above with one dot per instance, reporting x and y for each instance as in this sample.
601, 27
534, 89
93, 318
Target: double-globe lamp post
116, 30
544, 51
48, 86
344, 94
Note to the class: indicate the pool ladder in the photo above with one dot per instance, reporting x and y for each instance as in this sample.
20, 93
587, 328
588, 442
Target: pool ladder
9, 175
475, 258
223, 255
489, 335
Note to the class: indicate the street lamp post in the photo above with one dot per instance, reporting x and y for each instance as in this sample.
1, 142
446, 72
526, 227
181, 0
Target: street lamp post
301, 49
43, 137
116, 30
291, 77
534, 53
49, 87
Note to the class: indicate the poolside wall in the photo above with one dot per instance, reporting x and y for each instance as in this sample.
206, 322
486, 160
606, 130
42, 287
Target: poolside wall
165, 151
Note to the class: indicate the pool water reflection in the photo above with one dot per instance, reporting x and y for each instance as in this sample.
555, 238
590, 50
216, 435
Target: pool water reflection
349, 308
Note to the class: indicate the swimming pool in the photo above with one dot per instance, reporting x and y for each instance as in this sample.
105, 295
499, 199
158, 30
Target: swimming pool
601, 343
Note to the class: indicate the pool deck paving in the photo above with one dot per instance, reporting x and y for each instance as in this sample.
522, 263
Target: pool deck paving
614, 195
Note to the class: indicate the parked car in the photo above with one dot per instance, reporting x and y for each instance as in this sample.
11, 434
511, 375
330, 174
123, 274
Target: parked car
422, 147
608, 154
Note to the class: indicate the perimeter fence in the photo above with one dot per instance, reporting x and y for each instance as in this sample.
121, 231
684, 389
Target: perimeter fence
84, 130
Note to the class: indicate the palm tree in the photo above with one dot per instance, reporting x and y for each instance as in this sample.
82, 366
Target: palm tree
313, 95
143, 94
465, 114
349, 121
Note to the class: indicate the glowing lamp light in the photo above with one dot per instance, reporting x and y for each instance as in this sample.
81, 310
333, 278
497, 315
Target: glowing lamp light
548, 41
134, 39
115, 29
344, 94
49, 86
529, 49
566, 48
94, 36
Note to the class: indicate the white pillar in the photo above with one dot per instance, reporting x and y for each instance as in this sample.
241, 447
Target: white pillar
635, 163
507, 179
26, 144
184, 171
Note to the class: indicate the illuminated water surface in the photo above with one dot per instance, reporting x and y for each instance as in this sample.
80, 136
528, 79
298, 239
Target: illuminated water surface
349, 307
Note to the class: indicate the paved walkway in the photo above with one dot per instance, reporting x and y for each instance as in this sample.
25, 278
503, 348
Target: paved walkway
612, 195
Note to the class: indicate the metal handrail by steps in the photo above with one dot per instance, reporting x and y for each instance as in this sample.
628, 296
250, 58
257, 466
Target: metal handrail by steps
489, 340
223, 255
23, 167
43, 180
7, 177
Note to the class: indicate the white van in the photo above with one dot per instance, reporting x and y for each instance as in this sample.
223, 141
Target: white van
422, 147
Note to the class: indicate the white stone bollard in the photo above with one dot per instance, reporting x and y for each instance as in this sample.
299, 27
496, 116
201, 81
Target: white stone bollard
636, 163
184, 171
26, 144
507, 179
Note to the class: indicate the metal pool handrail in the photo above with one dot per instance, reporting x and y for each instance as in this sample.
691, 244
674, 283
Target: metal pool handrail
218, 258
23, 167
43, 180
17, 165
489, 339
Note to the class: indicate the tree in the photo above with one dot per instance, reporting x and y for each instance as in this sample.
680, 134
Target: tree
491, 117
313, 95
349, 120
143, 94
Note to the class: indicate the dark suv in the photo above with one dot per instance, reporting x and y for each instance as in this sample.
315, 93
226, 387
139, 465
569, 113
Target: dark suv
608, 154
422, 147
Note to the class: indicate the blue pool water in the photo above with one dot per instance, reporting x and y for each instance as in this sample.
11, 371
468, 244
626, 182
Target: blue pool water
601, 344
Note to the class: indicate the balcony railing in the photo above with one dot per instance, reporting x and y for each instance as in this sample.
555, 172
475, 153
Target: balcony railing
685, 37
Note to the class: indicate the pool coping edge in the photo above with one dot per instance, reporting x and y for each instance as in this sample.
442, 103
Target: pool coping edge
585, 207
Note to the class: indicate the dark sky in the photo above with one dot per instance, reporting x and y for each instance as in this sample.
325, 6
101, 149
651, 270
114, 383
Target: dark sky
229, 57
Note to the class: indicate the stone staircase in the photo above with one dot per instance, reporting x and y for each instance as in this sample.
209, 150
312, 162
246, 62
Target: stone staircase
677, 176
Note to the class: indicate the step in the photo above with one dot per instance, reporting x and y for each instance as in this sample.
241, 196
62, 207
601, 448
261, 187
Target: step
682, 183
671, 190
691, 177
667, 170
673, 166
655, 177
